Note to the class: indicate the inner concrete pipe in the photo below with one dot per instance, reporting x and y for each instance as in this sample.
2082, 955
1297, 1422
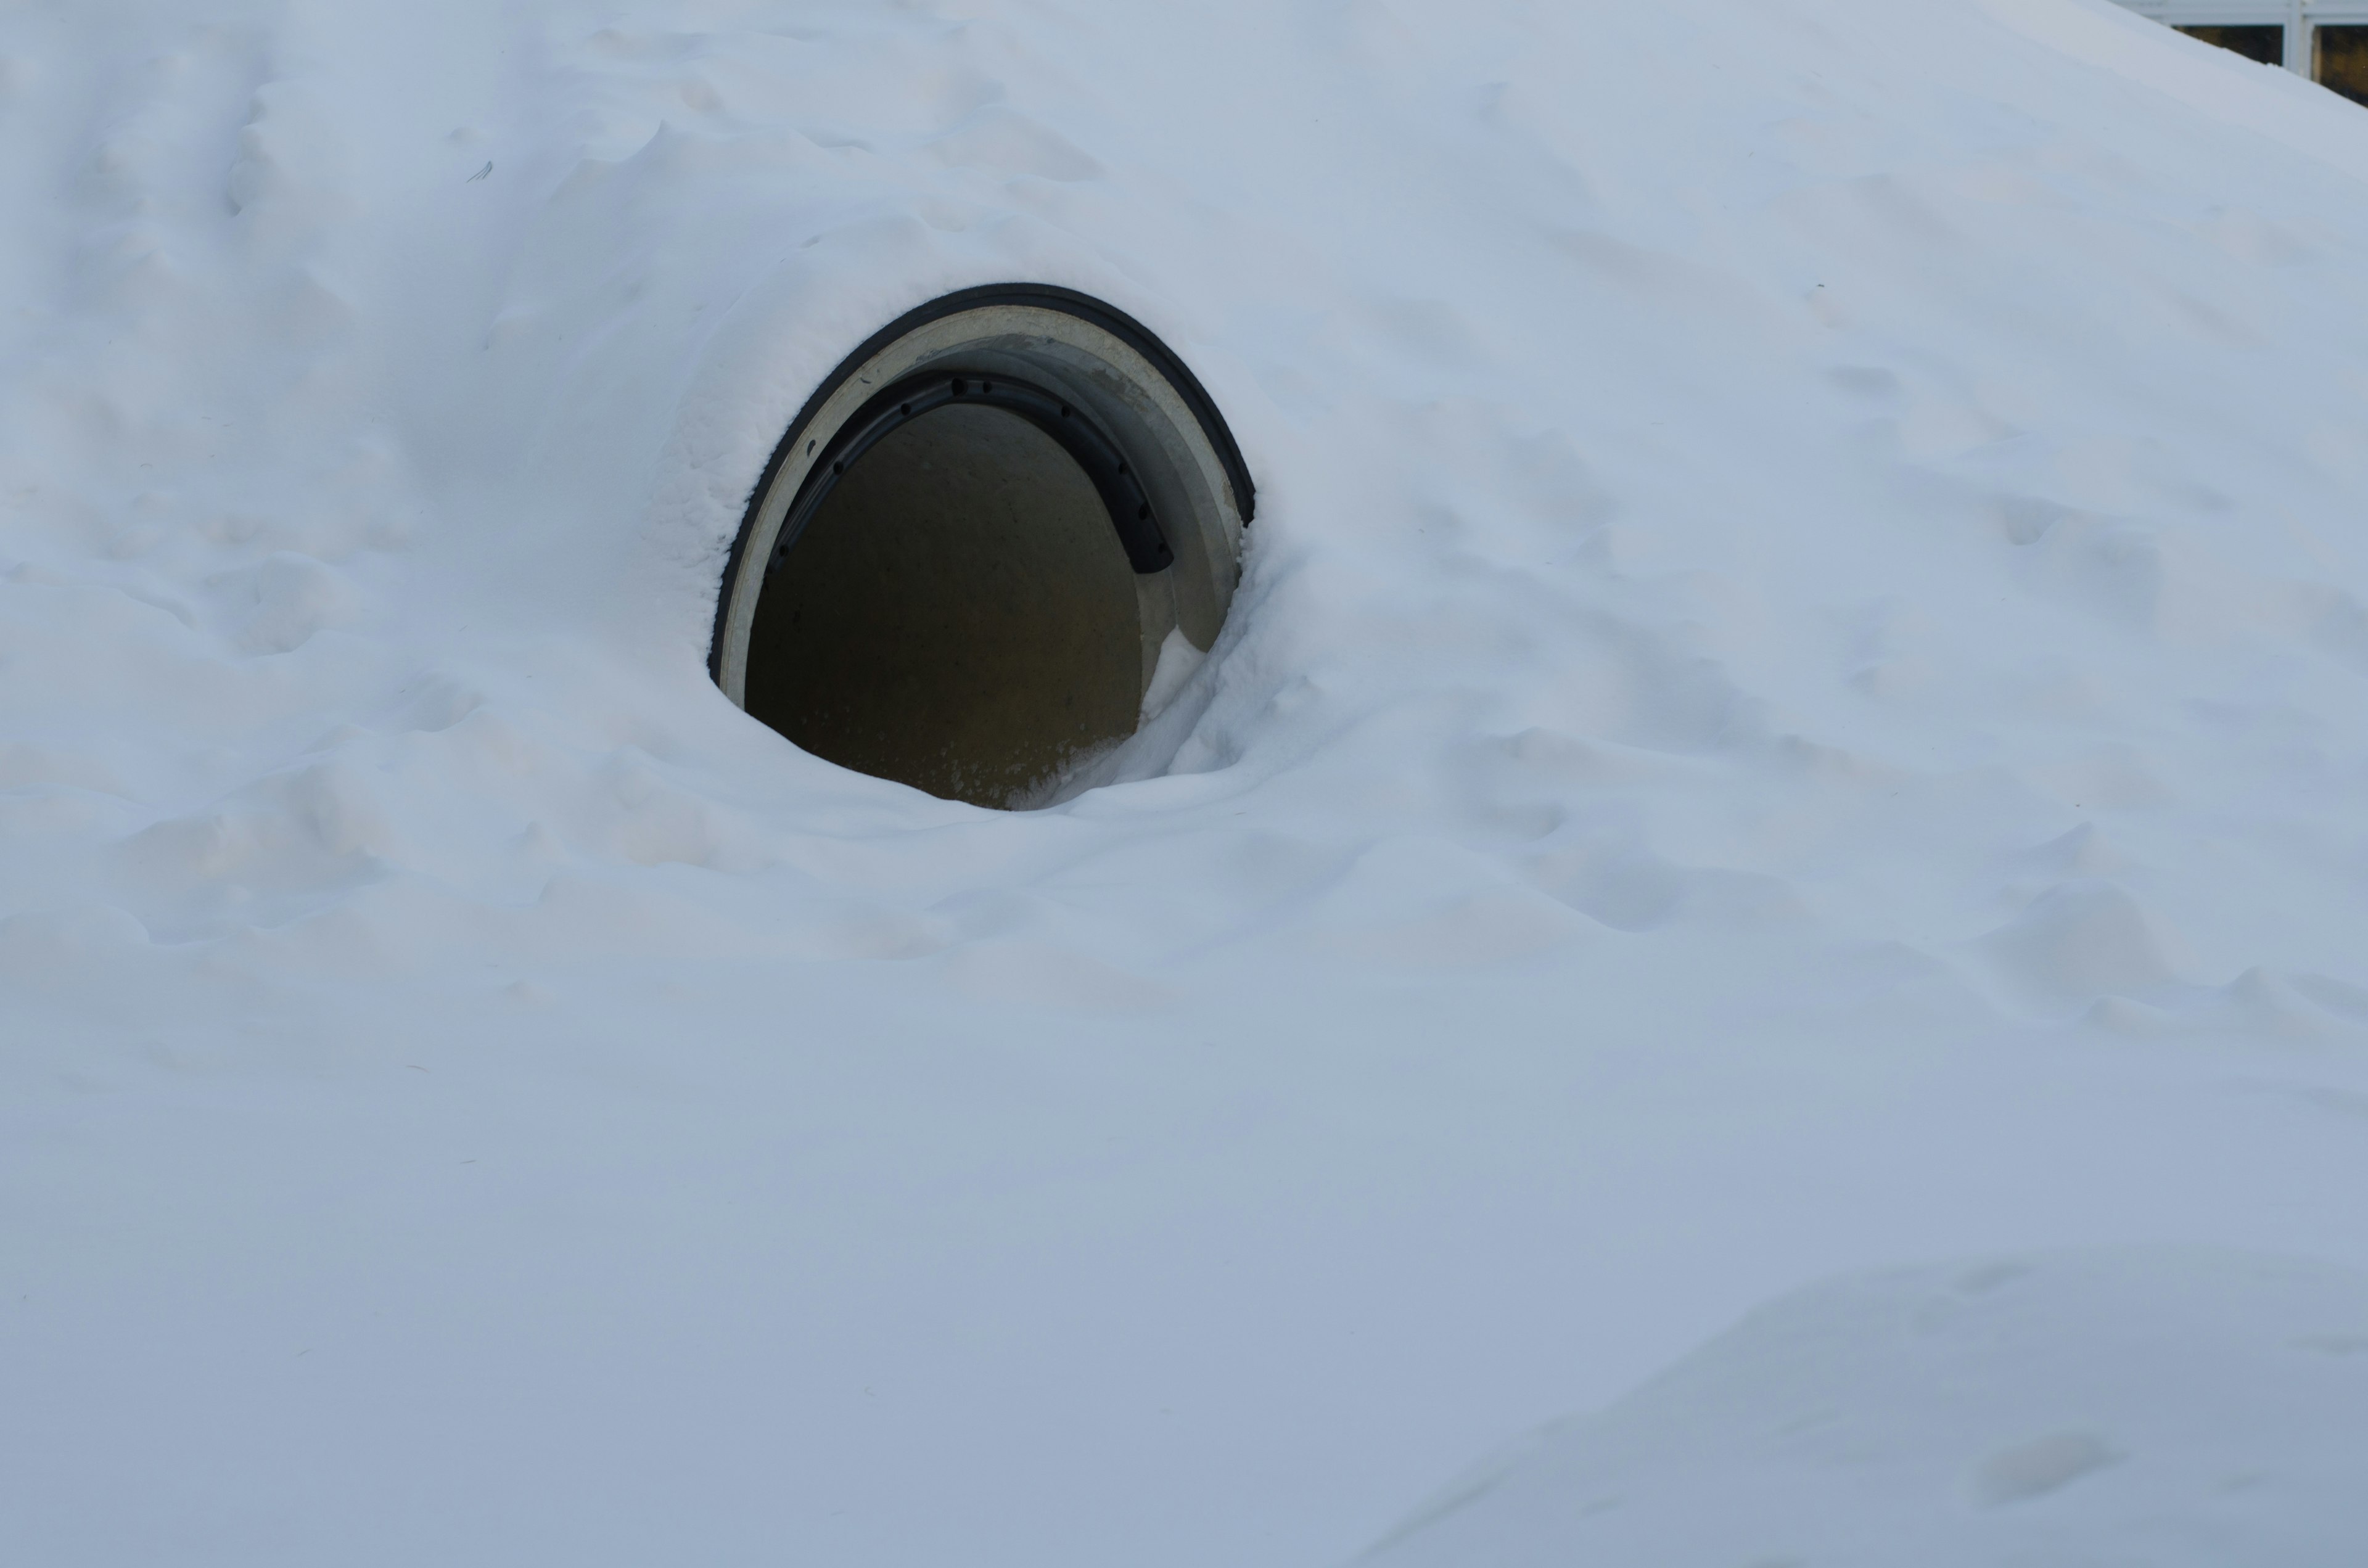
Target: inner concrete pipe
965, 562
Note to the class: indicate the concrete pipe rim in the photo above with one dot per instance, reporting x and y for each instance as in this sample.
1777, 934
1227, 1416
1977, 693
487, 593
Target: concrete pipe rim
1121, 404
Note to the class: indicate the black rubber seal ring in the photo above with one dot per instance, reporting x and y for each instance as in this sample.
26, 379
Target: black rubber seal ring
1118, 485
1042, 296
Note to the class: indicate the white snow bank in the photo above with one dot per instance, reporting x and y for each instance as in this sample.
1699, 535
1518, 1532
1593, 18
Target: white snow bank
1797, 703
2170, 1407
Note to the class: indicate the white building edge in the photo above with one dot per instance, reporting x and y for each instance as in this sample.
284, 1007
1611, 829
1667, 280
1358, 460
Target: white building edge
2325, 41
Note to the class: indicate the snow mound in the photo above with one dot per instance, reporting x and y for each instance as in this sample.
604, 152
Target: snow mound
2161, 1406
1798, 699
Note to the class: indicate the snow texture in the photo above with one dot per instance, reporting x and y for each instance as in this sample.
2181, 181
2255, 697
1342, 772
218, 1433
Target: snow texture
2175, 1407
1799, 704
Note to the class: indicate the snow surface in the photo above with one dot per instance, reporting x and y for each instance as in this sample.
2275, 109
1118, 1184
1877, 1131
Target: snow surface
2155, 1407
1797, 710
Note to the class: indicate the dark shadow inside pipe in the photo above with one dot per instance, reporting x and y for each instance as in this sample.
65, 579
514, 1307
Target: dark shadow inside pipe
958, 613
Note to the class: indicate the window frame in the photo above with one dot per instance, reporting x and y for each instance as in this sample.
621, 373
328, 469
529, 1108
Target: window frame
2301, 18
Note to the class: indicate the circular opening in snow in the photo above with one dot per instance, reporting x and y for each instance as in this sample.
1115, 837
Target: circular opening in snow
974, 548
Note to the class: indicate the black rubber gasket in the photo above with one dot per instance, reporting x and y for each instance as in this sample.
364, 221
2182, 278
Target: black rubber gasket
1040, 296
1119, 489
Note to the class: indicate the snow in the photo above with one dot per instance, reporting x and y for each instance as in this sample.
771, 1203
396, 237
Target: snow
1922, 1414
1795, 711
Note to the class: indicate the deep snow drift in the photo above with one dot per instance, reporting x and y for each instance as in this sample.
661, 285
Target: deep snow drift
1795, 711
2145, 1407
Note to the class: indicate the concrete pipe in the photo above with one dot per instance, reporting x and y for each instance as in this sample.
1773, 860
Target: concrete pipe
963, 565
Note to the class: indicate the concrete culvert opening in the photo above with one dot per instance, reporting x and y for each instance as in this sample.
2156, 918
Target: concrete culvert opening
974, 547
958, 616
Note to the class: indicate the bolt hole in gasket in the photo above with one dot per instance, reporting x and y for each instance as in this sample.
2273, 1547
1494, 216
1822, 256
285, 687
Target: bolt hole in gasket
973, 548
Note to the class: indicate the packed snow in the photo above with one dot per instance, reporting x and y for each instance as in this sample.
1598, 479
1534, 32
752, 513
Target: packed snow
2150, 1406
1795, 733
